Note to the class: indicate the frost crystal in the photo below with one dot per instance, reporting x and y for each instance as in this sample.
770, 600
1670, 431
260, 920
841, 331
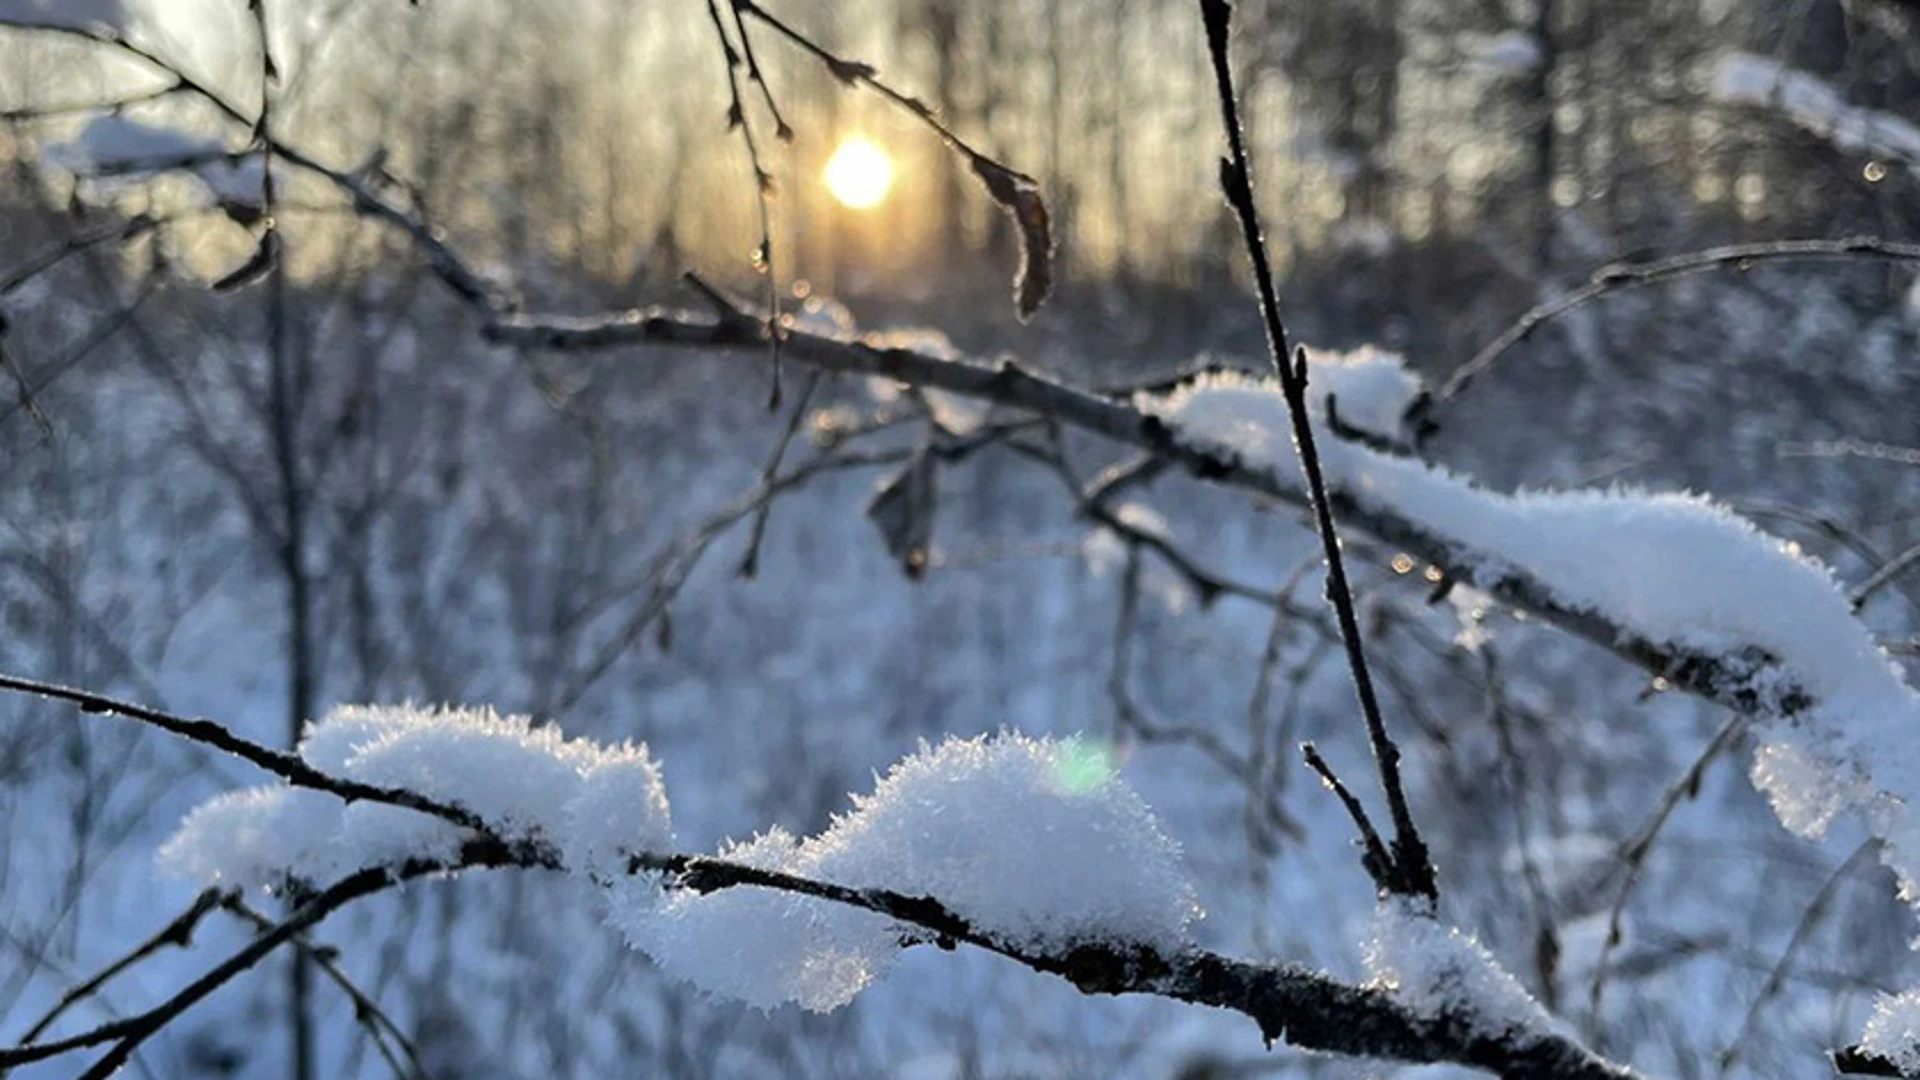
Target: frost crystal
1893, 1031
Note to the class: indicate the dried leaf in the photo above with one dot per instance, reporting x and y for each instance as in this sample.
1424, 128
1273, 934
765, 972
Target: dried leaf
1019, 195
903, 512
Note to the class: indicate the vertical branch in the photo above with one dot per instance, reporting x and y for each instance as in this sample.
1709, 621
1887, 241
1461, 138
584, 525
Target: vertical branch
781, 129
283, 420
1412, 867
762, 180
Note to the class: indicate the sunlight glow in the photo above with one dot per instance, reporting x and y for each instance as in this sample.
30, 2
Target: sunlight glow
859, 173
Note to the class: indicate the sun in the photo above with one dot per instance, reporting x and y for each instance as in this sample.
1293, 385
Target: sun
859, 173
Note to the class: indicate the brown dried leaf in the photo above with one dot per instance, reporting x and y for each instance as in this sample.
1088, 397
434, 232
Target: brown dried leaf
903, 512
1019, 195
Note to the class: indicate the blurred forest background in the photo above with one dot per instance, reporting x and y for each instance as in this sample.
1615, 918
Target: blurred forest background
370, 504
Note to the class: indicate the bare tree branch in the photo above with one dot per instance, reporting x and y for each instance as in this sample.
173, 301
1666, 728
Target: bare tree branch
1412, 872
288, 766
178, 933
1618, 277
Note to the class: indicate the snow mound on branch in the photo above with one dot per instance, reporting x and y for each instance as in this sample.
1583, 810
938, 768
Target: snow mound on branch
759, 946
106, 15
620, 808
1034, 841
1372, 391
524, 781
1893, 1031
253, 836
1674, 570
1440, 970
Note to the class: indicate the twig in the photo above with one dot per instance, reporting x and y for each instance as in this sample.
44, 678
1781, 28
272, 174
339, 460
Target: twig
127, 1034
23, 390
1633, 858
1888, 572
737, 120
1413, 874
287, 766
177, 933
49, 112
1016, 192
380, 1027
53, 254
447, 265
781, 129
750, 561
1378, 864
1742, 677
1547, 948
1616, 277
1777, 978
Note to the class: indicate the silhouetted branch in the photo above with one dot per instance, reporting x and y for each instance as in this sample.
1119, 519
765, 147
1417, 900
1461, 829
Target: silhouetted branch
129, 1033
737, 120
1777, 978
1617, 277
178, 933
1633, 858
1412, 867
289, 767
1017, 193
389, 1041
1374, 858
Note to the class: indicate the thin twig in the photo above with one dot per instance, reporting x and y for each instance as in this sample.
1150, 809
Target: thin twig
750, 561
781, 129
1888, 572
1633, 858
50, 112
1015, 192
737, 120
1617, 277
1777, 978
380, 1027
129, 1033
1378, 864
1413, 873
177, 933
287, 766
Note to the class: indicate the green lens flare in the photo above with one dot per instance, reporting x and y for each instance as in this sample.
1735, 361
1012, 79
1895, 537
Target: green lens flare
1082, 766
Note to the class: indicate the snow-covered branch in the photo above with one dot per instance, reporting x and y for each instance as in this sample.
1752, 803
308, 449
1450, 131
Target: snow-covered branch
1030, 849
